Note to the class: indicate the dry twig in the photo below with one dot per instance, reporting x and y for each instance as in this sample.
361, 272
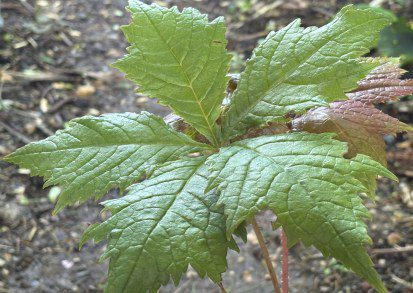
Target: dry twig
23, 138
407, 248
266, 255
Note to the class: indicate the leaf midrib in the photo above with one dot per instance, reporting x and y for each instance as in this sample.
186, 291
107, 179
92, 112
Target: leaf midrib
159, 221
104, 146
189, 83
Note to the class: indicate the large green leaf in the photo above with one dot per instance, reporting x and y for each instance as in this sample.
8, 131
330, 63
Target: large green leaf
94, 154
296, 68
180, 58
311, 188
161, 226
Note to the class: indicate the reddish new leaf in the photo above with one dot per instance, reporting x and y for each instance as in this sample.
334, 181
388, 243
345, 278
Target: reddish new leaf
356, 126
356, 121
365, 115
383, 84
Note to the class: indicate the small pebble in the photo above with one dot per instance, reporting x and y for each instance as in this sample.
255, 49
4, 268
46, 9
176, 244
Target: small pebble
67, 264
246, 275
252, 238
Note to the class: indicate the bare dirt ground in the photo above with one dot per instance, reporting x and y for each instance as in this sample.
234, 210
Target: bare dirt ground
54, 60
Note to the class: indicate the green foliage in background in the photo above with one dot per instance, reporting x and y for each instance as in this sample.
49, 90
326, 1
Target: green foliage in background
397, 40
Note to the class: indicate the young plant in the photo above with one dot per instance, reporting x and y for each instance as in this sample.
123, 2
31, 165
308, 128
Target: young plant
197, 180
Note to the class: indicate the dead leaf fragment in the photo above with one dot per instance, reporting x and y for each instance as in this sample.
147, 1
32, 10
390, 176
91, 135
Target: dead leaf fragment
406, 194
44, 105
85, 91
30, 128
394, 238
5, 77
62, 86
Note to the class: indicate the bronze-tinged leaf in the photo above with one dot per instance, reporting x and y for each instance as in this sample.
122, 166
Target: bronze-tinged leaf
359, 124
356, 121
366, 115
383, 84
359, 139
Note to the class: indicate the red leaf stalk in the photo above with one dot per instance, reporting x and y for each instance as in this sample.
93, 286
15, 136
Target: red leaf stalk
284, 276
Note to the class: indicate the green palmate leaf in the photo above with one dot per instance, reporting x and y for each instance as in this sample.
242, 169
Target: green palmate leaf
311, 188
161, 226
180, 58
296, 68
94, 154
397, 40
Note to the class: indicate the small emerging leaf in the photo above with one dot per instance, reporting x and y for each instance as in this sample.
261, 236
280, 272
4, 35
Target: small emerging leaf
359, 124
180, 58
160, 227
383, 84
94, 154
357, 121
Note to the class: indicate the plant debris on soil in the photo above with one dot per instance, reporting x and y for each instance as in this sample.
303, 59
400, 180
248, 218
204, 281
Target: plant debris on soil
54, 66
